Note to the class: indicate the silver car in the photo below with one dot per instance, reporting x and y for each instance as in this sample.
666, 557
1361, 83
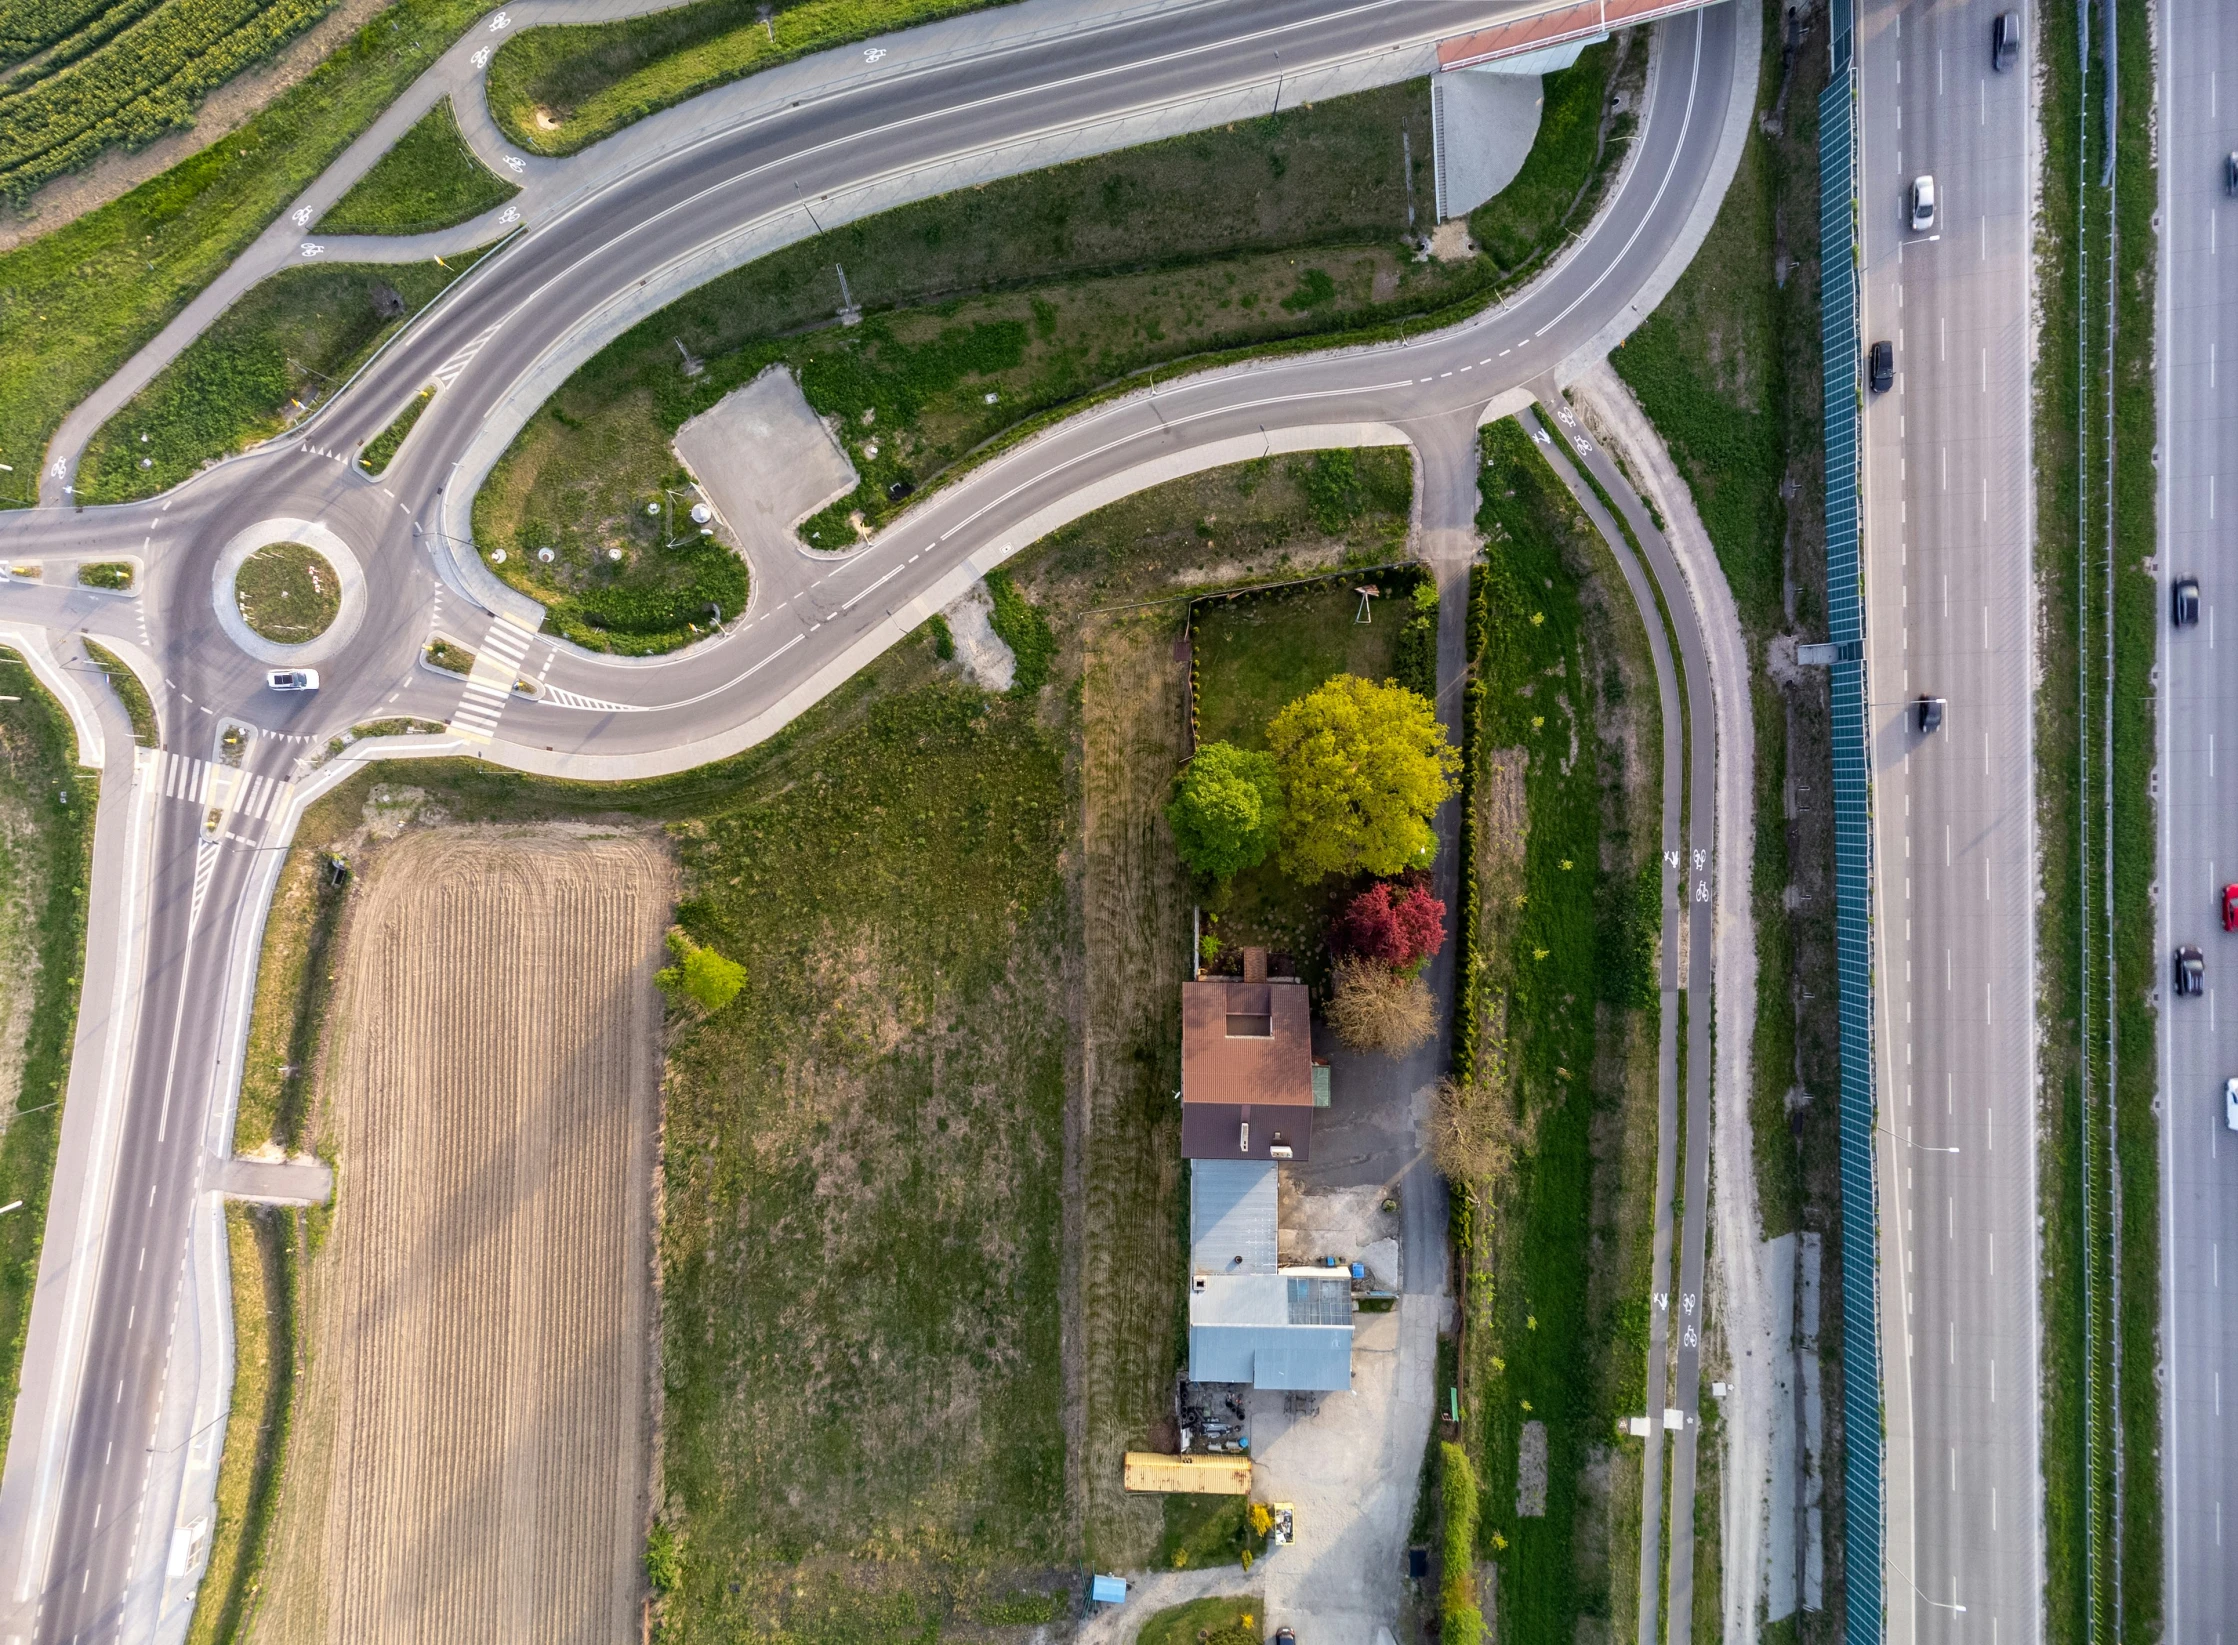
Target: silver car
292, 679
2230, 1103
1923, 203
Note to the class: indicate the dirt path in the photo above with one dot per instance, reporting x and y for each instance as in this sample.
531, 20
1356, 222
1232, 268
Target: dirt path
471, 1453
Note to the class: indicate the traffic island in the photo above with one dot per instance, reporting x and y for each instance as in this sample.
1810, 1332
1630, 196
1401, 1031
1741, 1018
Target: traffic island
288, 593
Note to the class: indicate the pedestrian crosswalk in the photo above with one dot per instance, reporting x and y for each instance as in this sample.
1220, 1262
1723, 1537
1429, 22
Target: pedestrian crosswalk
489, 686
203, 782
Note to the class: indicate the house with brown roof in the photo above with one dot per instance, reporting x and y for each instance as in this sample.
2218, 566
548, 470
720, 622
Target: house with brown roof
1247, 1076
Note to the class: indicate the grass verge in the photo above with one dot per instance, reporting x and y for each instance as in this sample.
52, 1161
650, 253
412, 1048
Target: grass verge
375, 458
130, 692
76, 304
988, 314
264, 1241
429, 180
557, 90
2102, 1496
287, 592
109, 574
288, 344
46, 840
1205, 1622
1564, 825
1562, 176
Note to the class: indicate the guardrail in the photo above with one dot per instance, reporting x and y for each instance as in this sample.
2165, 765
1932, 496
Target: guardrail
1841, 341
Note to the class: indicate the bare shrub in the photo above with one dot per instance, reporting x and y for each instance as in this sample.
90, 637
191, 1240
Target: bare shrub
1374, 1008
1473, 1132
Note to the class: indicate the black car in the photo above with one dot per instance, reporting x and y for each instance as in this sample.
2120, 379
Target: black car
2191, 970
2230, 172
1929, 711
1283, 1636
2004, 41
1880, 367
2183, 602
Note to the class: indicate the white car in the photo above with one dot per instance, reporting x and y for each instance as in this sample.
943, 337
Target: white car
293, 679
1923, 203
2230, 1104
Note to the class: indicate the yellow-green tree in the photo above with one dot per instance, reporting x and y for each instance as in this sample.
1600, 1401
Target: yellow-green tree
1364, 768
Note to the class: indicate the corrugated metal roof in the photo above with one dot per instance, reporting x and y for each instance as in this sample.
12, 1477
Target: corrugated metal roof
1232, 1212
1297, 1357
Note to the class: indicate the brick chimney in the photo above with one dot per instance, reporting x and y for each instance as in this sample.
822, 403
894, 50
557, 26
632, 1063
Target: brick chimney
1254, 965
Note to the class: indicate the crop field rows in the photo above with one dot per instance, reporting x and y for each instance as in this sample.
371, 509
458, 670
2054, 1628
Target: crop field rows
472, 1455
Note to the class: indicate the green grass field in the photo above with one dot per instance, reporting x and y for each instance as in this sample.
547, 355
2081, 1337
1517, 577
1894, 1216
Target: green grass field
284, 347
382, 448
287, 592
555, 90
1038, 290
46, 837
429, 180
1556, 1253
1205, 1622
130, 692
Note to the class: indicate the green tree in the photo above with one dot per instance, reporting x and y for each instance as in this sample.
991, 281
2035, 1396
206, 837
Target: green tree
700, 972
1226, 810
1364, 768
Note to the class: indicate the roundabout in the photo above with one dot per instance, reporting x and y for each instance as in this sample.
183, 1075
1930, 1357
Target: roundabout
288, 591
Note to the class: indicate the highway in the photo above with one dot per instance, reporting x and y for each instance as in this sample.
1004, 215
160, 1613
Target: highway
2199, 1157
1947, 489
94, 1558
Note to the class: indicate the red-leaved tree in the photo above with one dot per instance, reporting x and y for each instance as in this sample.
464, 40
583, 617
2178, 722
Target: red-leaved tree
1396, 925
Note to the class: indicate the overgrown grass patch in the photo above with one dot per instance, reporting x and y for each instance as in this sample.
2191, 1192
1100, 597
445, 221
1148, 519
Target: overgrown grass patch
1556, 1249
287, 592
1206, 1622
381, 449
429, 180
263, 1242
558, 89
46, 838
115, 575
265, 363
984, 311
130, 692
1205, 1530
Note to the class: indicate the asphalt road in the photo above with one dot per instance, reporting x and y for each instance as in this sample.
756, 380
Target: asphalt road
2199, 1158
1948, 487
812, 623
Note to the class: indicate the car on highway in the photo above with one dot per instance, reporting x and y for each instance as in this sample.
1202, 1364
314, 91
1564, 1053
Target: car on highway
2004, 41
2230, 171
1283, 1636
2183, 602
1928, 714
2230, 908
2230, 1103
1880, 366
1923, 202
2191, 970
292, 679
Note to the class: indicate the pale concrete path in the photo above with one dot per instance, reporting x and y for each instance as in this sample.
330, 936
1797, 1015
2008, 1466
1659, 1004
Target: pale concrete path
548, 186
276, 1182
1757, 1320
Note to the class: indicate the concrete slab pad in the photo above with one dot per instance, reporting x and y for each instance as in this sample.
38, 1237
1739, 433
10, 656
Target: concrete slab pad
765, 461
1485, 126
277, 1182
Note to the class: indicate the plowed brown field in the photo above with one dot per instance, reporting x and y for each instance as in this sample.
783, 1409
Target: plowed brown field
472, 1449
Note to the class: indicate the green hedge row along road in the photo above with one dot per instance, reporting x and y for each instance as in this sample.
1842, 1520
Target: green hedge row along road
269, 359
146, 81
430, 180
560, 88
46, 839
